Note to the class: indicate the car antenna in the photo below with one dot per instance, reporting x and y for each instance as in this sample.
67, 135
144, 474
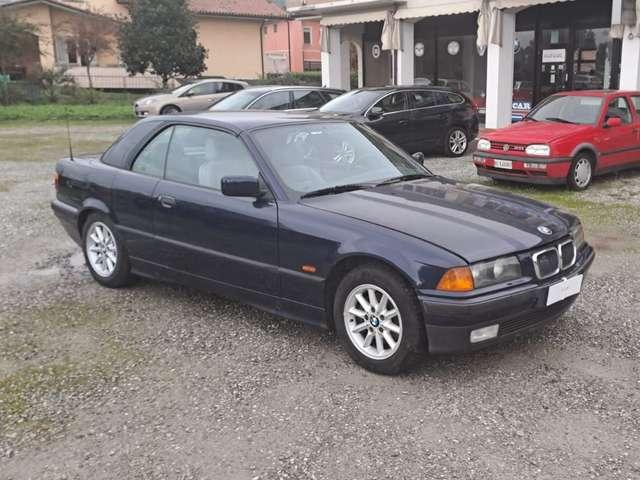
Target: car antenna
69, 133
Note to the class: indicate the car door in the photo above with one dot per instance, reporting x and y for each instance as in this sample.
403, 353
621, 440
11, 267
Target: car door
427, 118
619, 144
393, 122
199, 97
133, 196
635, 104
204, 235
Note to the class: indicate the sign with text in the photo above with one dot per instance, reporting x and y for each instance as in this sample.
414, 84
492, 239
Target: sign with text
554, 55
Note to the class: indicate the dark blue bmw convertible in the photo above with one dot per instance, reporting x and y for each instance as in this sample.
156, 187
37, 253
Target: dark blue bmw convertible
323, 221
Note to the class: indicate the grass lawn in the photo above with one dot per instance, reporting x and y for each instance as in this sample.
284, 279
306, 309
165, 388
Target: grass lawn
57, 112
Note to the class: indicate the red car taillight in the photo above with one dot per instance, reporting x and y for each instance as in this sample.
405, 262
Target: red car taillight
56, 181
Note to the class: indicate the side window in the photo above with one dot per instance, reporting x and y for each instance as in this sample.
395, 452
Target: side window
307, 99
331, 95
447, 98
636, 103
392, 103
226, 87
619, 108
423, 99
204, 89
273, 101
150, 161
201, 156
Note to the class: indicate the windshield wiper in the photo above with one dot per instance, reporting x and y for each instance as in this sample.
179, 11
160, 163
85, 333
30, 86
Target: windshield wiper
350, 187
561, 120
403, 178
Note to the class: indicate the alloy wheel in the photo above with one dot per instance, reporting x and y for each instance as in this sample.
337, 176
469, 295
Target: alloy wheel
457, 142
582, 172
102, 251
373, 322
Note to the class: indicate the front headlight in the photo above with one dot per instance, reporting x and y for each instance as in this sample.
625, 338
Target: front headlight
577, 233
538, 150
149, 101
484, 144
497, 271
465, 279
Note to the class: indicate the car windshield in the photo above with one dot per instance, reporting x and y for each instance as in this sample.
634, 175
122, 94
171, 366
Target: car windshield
312, 157
577, 109
238, 100
355, 101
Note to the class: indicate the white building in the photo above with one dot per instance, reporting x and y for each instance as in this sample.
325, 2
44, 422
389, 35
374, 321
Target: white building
507, 55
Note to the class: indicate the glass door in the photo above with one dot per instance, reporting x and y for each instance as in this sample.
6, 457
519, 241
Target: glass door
554, 62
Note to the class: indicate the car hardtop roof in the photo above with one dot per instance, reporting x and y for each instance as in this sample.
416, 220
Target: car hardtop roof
271, 88
245, 120
597, 93
392, 88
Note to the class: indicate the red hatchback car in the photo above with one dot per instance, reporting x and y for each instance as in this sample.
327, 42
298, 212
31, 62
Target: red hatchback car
567, 139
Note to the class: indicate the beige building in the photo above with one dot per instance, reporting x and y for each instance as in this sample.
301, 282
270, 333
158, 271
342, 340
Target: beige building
231, 31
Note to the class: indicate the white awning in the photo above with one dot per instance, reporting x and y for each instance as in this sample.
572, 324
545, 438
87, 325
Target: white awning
354, 17
433, 8
439, 7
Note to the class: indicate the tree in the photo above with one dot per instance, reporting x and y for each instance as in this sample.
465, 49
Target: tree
90, 34
160, 36
14, 40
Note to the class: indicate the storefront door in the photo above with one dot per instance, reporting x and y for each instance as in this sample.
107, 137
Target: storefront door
554, 62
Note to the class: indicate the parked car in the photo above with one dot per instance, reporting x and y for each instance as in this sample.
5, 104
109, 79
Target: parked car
567, 139
416, 118
324, 221
278, 97
193, 97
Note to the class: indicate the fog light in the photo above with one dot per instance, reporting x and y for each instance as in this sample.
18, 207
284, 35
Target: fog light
536, 166
482, 334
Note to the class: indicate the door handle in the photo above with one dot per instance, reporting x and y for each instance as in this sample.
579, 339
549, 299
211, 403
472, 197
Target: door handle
167, 201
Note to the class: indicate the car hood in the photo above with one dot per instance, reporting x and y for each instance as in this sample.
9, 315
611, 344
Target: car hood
157, 98
527, 132
472, 221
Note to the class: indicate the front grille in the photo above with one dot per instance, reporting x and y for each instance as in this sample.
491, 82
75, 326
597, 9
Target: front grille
567, 254
552, 260
546, 262
507, 147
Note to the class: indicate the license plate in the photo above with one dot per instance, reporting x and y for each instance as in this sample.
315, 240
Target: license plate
506, 164
565, 289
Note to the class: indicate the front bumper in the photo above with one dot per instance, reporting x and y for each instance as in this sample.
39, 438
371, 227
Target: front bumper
449, 321
554, 173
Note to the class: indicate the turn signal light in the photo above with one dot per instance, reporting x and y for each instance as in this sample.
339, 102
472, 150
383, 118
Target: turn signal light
457, 279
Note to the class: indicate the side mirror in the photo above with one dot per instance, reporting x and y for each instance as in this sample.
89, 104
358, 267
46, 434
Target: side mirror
240, 187
419, 157
613, 122
375, 112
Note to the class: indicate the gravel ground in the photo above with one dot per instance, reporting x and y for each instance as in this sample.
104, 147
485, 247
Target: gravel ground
163, 382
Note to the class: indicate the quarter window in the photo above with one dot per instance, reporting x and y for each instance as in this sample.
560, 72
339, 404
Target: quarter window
307, 99
151, 159
272, 101
201, 156
392, 103
636, 103
619, 108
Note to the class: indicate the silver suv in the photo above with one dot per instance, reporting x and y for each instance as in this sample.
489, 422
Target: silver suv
193, 97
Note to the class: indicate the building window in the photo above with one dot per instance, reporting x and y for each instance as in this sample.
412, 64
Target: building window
275, 28
265, 30
306, 34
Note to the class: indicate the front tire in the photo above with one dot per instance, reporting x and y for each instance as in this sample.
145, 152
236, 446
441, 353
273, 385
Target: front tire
378, 319
456, 142
581, 172
105, 253
169, 110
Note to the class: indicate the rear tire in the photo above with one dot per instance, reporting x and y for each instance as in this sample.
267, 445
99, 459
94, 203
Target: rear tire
105, 253
581, 170
456, 142
170, 110
386, 331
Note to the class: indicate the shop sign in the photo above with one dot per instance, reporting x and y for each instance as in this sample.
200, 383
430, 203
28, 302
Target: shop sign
453, 48
521, 105
419, 49
554, 55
